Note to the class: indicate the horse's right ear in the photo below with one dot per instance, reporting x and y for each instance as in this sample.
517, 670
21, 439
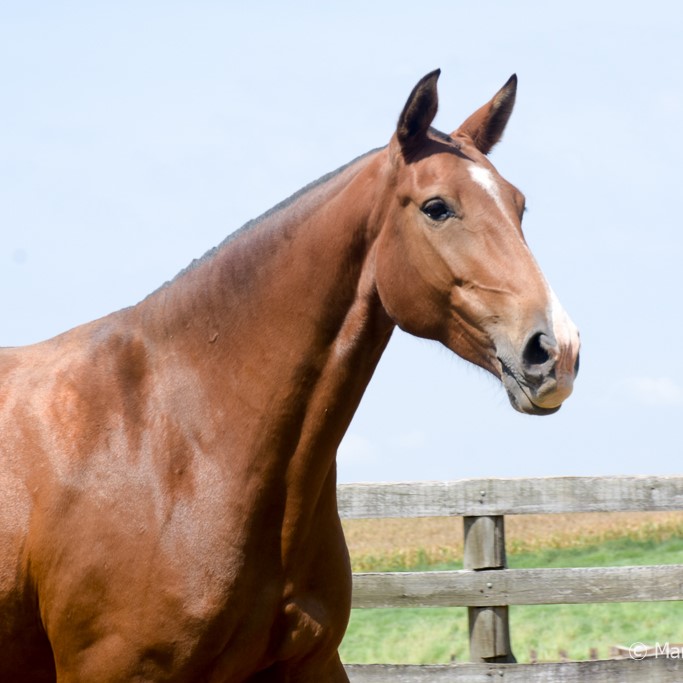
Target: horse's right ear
418, 113
487, 124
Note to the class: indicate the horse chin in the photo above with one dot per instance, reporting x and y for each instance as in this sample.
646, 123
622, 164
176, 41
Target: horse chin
520, 399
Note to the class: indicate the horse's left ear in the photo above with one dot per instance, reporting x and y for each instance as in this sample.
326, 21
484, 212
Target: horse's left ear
418, 113
487, 124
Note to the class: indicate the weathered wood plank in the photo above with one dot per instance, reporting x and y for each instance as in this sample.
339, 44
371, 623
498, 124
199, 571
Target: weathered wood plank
489, 627
661, 670
474, 497
518, 587
489, 635
484, 542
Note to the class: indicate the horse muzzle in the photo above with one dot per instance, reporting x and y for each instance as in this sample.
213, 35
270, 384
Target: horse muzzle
540, 377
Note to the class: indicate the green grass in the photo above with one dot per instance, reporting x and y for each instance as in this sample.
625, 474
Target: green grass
439, 635
574, 630
619, 552
406, 636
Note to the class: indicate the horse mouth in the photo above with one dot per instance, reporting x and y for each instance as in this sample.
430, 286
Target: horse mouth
519, 394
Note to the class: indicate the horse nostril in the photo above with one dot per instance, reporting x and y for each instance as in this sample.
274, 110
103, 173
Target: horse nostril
535, 352
576, 365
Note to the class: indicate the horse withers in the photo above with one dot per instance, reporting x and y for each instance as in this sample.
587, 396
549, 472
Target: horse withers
168, 472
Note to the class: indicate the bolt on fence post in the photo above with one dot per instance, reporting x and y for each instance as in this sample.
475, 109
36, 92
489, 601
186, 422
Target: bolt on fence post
488, 626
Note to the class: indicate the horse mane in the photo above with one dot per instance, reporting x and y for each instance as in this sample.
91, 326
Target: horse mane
255, 222
444, 137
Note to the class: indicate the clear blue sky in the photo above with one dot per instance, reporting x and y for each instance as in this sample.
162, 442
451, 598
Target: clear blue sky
134, 136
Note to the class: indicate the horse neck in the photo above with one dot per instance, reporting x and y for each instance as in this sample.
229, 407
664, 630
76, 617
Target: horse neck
284, 321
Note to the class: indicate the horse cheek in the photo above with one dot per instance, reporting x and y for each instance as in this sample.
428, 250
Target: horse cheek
411, 301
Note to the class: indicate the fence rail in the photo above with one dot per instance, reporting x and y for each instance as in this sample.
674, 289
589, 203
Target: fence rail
493, 587
540, 495
487, 587
603, 671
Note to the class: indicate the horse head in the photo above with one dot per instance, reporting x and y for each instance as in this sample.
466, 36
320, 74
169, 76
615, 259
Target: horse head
452, 263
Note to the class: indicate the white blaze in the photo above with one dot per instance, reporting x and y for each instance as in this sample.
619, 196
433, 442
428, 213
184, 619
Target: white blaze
487, 181
563, 327
566, 336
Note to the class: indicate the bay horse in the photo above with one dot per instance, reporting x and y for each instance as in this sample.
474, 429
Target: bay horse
168, 472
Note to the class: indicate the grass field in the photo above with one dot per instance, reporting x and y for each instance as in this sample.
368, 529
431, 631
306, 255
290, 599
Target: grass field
549, 633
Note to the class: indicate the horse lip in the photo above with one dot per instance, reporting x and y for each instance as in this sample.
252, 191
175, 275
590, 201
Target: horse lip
518, 394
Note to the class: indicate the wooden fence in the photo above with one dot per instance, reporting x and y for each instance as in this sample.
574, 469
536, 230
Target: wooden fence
486, 587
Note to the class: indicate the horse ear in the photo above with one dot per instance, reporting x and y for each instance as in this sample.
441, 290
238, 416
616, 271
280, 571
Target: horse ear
487, 124
418, 113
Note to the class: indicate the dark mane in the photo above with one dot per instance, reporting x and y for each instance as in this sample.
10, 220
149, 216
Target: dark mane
254, 222
444, 137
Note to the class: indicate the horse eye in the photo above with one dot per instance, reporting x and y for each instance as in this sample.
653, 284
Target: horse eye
437, 210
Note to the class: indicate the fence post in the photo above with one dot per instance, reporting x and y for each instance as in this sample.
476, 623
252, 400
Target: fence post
489, 626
